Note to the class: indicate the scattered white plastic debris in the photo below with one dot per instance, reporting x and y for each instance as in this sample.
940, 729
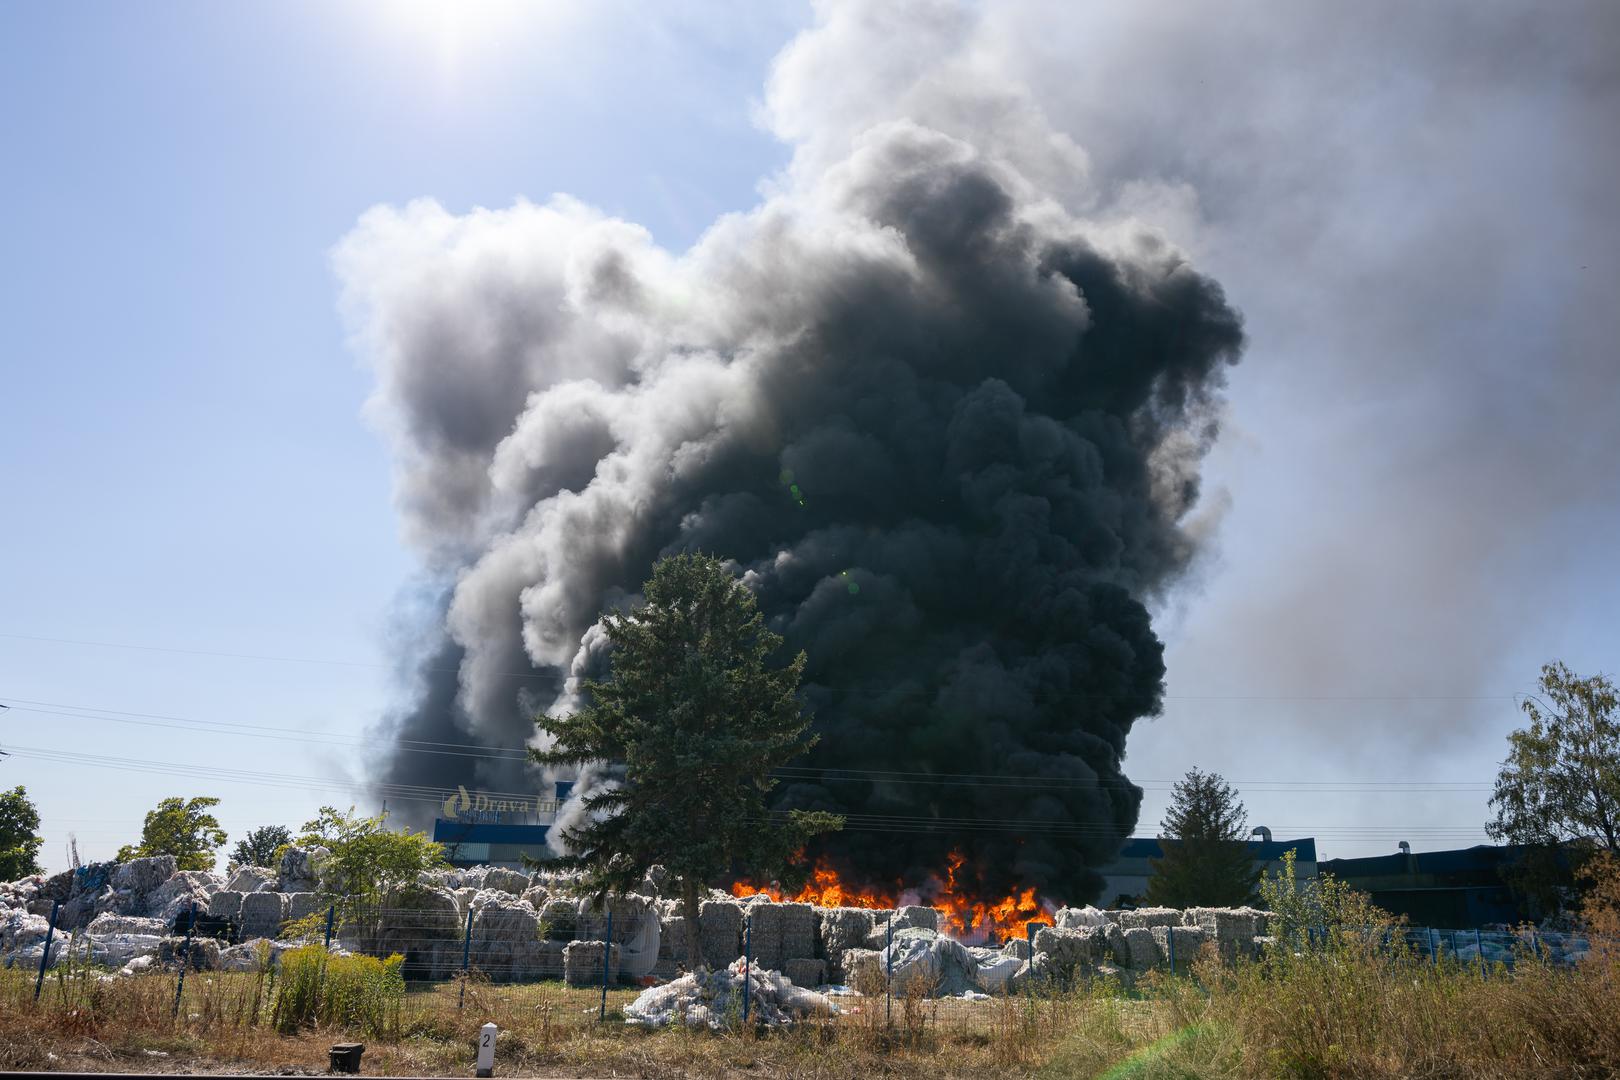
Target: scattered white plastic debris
715, 999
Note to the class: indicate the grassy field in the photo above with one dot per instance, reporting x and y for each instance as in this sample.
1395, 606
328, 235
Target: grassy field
1349, 1012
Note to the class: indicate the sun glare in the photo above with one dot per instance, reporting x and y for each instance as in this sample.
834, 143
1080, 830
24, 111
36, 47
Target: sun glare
457, 35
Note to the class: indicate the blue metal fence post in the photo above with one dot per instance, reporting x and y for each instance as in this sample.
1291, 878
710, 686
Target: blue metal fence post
466, 956
748, 959
1434, 949
45, 957
888, 977
185, 958
1479, 946
607, 954
331, 916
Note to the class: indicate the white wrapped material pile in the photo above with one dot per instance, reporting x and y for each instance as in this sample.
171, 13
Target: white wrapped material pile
714, 999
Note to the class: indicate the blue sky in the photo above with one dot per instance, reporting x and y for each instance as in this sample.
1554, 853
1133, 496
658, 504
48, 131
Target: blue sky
184, 459
1418, 457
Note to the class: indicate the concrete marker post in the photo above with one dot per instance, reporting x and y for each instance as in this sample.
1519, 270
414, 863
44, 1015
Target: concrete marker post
486, 1050
45, 957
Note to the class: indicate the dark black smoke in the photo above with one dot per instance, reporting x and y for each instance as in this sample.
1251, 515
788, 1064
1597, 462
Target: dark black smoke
949, 435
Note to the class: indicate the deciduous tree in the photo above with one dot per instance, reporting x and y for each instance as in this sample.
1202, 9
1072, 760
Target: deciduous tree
180, 827
694, 718
259, 847
19, 835
1558, 792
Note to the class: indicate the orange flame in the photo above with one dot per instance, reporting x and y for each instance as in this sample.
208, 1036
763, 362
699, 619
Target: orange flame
961, 916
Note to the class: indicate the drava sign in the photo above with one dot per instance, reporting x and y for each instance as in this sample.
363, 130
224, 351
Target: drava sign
462, 805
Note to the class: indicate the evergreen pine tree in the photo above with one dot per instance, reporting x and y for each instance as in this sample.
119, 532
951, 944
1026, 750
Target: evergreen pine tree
696, 719
1206, 861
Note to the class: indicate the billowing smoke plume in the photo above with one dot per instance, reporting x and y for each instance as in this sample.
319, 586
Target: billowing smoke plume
947, 431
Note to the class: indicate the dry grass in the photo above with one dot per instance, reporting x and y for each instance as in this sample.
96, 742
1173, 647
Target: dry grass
1352, 1012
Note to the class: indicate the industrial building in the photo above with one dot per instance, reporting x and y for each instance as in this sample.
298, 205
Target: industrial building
1126, 878
1462, 888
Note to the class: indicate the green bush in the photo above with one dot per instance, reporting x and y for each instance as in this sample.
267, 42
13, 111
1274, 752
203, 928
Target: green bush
359, 993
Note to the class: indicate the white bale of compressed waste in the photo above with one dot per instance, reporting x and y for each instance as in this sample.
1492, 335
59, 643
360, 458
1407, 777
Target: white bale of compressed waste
141, 876
505, 937
225, 904
843, 929
115, 950
507, 881
1162, 916
1232, 929
582, 963
762, 934
862, 965
1064, 955
1178, 945
1142, 950
1020, 947
108, 923
298, 869
246, 956
916, 915
1076, 918
249, 879
1118, 950
262, 914
720, 924
301, 905
714, 999
799, 925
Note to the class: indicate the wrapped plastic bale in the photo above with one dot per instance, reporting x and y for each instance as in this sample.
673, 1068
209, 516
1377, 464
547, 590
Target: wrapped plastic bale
802, 971
843, 929
944, 966
1019, 947
635, 929
1152, 916
713, 999
582, 963
1178, 945
250, 879
548, 960
1232, 929
1141, 949
720, 925
996, 968
1078, 918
